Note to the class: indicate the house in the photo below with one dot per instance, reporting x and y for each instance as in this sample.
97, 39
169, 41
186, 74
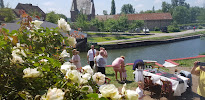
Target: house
29, 9
85, 7
151, 20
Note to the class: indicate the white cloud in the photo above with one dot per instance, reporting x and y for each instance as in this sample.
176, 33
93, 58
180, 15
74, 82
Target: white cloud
157, 1
139, 6
48, 3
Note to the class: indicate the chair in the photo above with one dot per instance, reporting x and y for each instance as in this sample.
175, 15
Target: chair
167, 89
148, 84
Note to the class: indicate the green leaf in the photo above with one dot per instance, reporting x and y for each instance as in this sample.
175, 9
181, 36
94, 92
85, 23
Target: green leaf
36, 64
43, 49
85, 89
22, 95
93, 95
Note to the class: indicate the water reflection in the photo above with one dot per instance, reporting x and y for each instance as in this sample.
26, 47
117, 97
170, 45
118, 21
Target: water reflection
159, 53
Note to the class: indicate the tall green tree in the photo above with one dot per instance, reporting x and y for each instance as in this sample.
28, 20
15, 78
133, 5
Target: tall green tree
7, 14
181, 15
52, 17
166, 7
201, 17
127, 9
194, 12
113, 8
153, 10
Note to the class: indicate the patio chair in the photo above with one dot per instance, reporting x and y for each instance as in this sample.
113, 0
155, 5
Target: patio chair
148, 84
166, 89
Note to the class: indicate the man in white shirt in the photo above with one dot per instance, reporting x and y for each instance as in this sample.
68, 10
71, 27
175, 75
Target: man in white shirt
101, 63
91, 55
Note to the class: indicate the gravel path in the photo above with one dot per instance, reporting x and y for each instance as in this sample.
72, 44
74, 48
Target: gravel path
154, 35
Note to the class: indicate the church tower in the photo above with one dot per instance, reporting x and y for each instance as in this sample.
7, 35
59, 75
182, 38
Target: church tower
1, 4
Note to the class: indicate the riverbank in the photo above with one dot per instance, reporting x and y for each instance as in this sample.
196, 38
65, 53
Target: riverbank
153, 39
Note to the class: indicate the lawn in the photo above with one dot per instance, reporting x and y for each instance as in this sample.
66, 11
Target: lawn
131, 84
189, 62
102, 39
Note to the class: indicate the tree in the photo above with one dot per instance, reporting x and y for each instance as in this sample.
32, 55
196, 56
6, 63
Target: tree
82, 21
7, 14
52, 17
1, 4
136, 24
165, 7
153, 10
113, 8
127, 9
105, 12
62, 16
201, 17
181, 15
194, 12
123, 23
174, 3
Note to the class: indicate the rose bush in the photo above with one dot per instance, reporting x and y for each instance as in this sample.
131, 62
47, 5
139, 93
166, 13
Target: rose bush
32, 66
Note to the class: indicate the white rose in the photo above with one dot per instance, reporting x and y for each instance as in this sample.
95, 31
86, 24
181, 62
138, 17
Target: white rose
71, 41
99, 78
37, 23
85, 78
73, 75
64, 54
131, 95
90, 90
87, 69
124, 89
44, 60
62, 24
65, 68
28, 72
110, 91
54, 94
17, 58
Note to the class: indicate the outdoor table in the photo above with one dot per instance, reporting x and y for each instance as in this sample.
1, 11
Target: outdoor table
179, 83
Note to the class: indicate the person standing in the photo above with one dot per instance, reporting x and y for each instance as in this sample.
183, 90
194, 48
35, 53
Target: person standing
76, 59
117, 65
199, 71
91, 55
101, 62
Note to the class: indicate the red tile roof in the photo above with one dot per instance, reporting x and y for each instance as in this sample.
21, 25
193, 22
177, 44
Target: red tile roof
146, 16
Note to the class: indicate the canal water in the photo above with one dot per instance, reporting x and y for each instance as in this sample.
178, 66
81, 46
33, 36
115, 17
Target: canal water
159, 53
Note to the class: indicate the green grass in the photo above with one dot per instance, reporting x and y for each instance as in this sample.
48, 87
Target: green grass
131, 84
189, 62
102, 39
99, 33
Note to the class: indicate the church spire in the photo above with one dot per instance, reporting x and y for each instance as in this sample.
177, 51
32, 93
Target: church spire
1, 4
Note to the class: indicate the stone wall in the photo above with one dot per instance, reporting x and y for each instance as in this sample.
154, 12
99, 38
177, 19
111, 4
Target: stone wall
151, 24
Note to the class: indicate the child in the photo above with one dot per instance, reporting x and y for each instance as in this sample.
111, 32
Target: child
124, 74
140, 90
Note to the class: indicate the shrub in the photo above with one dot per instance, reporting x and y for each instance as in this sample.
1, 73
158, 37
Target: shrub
156, 29
172, 28
200, 27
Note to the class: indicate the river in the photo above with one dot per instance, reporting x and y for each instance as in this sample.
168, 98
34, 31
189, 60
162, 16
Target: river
159, 53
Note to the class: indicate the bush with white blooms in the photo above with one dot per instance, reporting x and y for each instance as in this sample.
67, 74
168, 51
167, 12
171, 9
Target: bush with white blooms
32, 67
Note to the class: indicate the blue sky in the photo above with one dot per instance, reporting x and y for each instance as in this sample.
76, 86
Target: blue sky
63, 6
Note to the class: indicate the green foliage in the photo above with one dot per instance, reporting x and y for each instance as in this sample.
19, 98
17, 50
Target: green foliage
136, 24
200, 27
53, 17
127, 9
156, 29
181, 15
7, 14
173, 28
166, 7
201, 15
82, 22
113, 8
105, 12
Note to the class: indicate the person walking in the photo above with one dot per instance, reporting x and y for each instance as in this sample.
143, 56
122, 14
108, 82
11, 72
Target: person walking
200, 71
90, 56
101, 62
117, 65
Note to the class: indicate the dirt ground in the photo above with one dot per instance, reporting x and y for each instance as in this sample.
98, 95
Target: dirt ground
190, 94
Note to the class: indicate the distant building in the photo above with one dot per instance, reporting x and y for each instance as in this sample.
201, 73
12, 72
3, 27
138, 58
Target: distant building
151, 20
29, 9
84, 7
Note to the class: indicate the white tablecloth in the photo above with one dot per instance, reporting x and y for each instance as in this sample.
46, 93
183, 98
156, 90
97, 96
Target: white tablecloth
176, 87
